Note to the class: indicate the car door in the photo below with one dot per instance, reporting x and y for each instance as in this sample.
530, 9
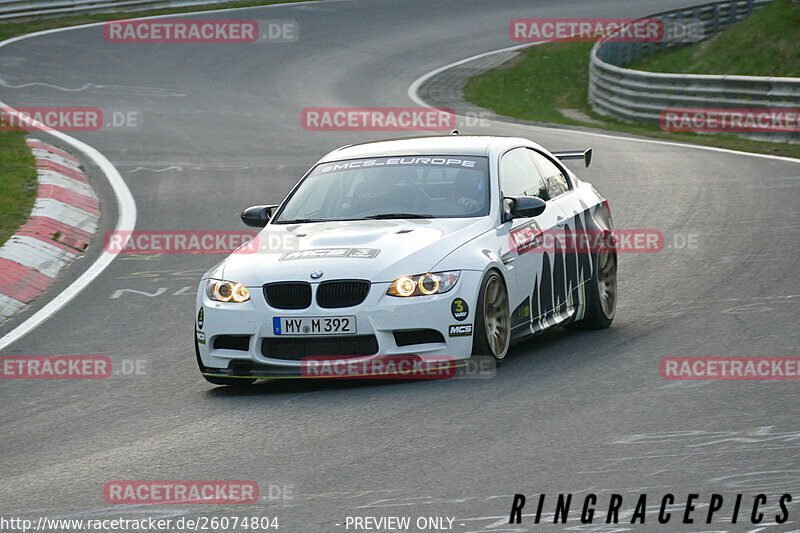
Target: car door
575, 261
536, 299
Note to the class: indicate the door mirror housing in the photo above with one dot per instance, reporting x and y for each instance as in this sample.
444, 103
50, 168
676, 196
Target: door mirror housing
258, 215
523, 207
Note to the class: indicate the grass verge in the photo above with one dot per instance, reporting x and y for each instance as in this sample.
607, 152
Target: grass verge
17, 183
549, 82
764, 44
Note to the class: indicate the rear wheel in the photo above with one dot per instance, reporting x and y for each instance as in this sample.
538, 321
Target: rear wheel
492, 319
216, 380
601, 292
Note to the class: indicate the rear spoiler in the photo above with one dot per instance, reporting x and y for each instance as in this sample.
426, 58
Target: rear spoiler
586, 155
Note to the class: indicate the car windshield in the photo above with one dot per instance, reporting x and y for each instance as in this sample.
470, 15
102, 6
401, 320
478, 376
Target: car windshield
446, 186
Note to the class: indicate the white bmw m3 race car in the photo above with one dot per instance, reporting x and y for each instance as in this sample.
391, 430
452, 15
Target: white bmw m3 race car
440, 247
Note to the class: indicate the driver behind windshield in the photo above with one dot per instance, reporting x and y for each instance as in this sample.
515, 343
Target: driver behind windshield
469, 189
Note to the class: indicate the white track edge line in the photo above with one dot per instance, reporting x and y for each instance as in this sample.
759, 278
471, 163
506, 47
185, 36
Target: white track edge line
125, 222
417, 83
125, 201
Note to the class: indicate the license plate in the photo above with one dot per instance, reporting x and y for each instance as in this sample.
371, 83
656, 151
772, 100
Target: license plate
315, 325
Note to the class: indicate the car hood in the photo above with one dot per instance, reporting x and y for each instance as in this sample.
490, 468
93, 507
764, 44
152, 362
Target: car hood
377, 250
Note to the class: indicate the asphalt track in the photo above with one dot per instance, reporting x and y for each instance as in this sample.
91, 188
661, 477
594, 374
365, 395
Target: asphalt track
568, 412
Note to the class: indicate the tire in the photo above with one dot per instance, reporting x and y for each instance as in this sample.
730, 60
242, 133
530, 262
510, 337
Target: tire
601, 292
492, 319
232, 382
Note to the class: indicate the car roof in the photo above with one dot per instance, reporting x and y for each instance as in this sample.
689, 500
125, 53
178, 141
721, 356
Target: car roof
474, 145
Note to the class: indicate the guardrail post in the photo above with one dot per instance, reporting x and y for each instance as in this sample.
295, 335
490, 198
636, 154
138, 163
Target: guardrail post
715, 20
697, 20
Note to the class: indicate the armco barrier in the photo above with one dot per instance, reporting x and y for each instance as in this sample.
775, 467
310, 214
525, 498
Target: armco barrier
638, 96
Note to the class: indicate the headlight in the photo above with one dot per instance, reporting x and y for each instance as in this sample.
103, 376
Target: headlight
226, 291
423, 284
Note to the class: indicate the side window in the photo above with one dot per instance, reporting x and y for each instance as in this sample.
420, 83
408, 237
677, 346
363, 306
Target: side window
520, 177
553, 177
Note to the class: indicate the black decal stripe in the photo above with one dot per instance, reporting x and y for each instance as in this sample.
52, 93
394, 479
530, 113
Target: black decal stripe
546, 287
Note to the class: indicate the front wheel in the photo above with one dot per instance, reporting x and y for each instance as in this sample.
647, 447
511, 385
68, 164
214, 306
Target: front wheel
492, 319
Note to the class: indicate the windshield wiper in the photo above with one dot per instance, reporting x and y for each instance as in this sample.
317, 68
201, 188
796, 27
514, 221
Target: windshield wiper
397, 215
301, 221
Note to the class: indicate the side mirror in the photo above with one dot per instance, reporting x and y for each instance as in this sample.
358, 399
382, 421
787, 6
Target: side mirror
523, 207
258, 215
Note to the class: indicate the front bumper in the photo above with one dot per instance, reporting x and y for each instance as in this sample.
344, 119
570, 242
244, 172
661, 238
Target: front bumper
239, 339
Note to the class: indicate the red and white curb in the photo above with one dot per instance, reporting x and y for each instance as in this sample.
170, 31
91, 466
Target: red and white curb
65, 215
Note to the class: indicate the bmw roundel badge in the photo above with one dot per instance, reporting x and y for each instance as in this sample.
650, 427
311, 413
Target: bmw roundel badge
316, 274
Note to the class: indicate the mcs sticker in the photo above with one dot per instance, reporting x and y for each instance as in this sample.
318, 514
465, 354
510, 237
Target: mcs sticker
460, 309
460, 330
